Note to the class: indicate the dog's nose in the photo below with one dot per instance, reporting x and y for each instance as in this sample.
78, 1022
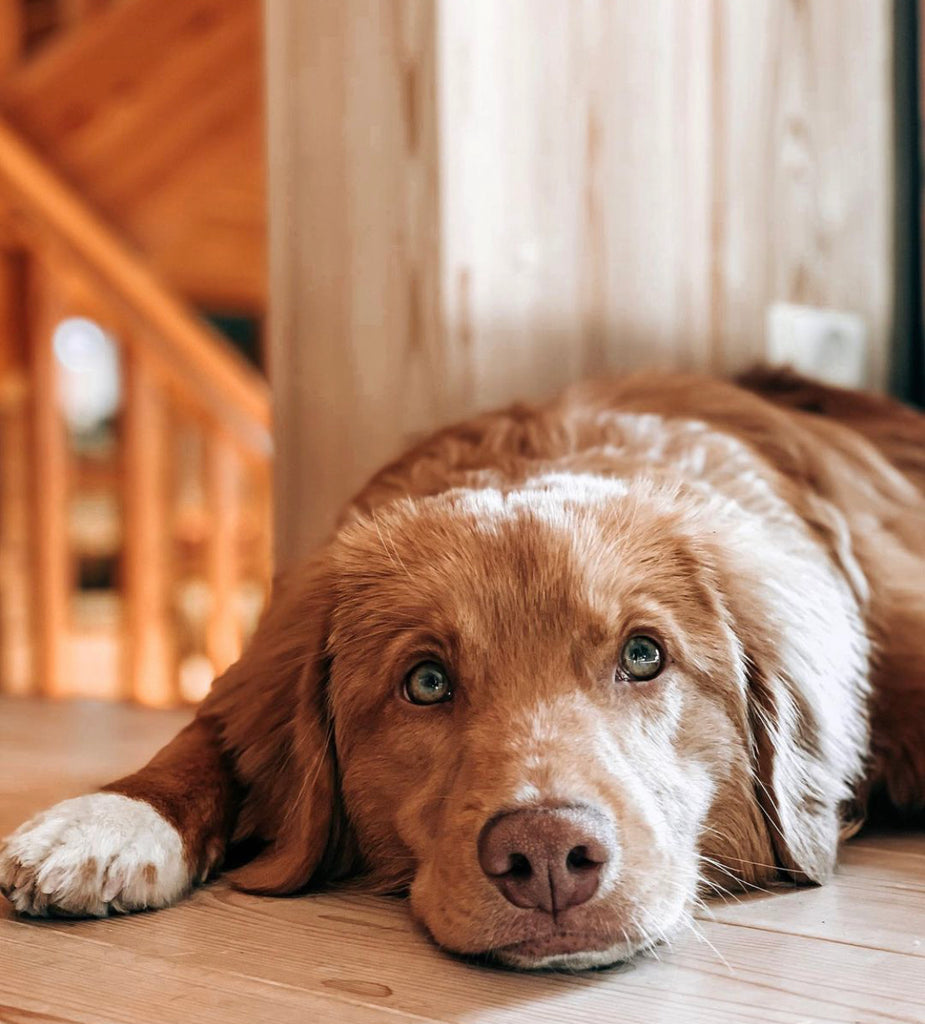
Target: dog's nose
547, 858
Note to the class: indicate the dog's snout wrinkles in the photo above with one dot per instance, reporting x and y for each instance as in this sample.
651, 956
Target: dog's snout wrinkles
547, 858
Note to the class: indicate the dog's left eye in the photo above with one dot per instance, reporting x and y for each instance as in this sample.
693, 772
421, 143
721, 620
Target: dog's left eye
641, 658
428, 683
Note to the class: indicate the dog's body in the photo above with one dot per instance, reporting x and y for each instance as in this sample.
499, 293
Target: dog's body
559, 667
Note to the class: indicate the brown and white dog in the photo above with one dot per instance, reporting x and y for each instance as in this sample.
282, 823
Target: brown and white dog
560, 670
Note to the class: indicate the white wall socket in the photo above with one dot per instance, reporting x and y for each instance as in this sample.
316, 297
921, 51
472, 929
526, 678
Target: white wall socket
827, 344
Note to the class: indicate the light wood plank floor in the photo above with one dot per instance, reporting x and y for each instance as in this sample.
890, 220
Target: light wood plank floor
852, 951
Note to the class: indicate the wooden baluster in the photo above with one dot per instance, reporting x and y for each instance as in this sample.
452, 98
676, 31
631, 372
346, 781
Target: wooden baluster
16, 614
149, 657
53, 571
223, 633
16, 670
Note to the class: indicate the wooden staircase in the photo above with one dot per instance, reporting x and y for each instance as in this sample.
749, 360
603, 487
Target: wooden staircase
153, 111
133, 563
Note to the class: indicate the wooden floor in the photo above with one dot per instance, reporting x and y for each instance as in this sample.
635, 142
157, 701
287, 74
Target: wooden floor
852, 951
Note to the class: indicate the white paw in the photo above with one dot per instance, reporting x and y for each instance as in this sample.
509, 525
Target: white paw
91, 856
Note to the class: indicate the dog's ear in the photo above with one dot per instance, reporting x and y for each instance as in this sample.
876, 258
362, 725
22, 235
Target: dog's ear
272, 715
799, 787
801, 633
807, 704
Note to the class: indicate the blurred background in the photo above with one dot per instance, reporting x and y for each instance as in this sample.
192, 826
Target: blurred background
374, 217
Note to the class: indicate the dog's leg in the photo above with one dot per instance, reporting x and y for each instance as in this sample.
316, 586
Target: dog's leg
256, 764
141, 842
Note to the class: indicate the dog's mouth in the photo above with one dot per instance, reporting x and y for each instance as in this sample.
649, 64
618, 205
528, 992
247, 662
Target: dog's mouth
575, 950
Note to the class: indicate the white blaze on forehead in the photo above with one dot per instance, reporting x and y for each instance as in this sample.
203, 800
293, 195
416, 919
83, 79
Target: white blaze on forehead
544, 497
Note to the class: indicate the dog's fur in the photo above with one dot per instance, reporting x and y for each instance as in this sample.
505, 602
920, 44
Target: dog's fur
770, 536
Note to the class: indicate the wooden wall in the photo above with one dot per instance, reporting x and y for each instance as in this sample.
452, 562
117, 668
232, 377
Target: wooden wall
472, 202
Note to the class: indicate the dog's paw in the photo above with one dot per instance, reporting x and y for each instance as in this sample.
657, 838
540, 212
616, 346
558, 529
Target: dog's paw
91, 856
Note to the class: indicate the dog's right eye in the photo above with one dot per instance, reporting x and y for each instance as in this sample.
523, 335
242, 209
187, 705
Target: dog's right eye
641, 658
428, 683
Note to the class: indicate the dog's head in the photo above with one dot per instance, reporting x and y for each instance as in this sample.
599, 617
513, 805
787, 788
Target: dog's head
551, 712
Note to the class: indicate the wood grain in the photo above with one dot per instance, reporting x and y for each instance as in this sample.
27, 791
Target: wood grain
807, 170
355, 354
494, 199
851, 951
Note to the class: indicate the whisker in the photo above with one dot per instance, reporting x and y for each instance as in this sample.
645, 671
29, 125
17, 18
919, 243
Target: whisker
739, 881
739, 860
720, 892
759, 864
644, 937
701, 937
702, 906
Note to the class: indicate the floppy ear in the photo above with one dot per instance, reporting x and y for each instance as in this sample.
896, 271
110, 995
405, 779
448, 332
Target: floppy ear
798, 787
800, 627
271, 713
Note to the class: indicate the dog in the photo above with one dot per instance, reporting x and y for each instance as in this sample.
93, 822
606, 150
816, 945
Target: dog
561, 670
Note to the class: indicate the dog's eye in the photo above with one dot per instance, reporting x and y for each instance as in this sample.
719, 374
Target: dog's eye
641, 657
427, 683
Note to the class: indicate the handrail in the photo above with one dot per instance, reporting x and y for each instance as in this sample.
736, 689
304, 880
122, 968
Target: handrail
194, 354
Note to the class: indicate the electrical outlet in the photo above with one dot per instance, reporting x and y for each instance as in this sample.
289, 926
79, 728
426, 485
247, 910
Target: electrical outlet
827, 344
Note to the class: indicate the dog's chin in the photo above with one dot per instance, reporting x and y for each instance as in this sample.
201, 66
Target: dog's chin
573, 947
566, 951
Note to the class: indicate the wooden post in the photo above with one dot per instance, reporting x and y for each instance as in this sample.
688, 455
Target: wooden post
355, 359
16, 614
53, 572
150, 669
223, 632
